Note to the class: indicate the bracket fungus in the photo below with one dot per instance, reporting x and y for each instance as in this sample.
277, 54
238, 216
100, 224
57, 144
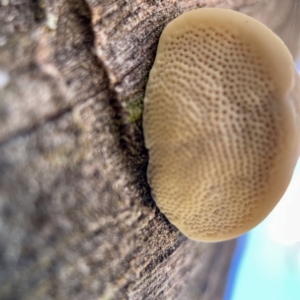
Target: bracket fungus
221, 123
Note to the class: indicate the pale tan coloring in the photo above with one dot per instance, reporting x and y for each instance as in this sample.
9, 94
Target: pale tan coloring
221, 122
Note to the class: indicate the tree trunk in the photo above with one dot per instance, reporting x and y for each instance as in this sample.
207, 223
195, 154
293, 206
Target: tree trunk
77, 218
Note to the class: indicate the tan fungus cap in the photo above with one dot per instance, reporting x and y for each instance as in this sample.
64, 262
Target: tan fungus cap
221, 122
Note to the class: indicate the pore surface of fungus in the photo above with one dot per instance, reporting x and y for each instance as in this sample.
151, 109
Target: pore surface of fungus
220, 122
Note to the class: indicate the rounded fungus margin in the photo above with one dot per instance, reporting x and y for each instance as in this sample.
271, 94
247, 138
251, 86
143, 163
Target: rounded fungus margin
221, 123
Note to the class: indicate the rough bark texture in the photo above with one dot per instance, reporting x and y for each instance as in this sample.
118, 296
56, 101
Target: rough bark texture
77, 218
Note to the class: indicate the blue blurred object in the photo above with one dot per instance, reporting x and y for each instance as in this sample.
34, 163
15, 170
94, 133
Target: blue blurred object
266, 262
298, 65
234, 268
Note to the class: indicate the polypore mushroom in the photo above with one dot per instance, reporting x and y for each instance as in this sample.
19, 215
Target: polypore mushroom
221, 123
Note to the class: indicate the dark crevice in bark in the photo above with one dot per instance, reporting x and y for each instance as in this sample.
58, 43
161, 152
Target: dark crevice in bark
38, 8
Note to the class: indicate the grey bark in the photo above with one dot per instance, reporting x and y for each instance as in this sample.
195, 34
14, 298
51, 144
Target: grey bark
77, 219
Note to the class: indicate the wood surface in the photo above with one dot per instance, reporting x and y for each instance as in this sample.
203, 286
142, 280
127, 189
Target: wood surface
77, 220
